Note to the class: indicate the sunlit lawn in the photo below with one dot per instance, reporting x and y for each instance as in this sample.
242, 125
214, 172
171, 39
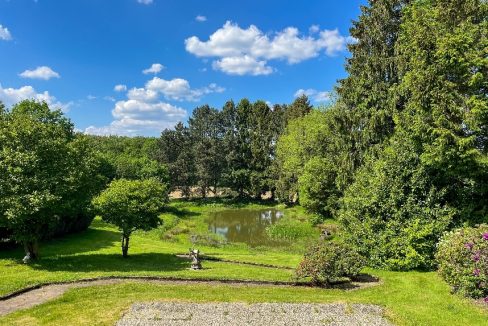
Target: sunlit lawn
413, 298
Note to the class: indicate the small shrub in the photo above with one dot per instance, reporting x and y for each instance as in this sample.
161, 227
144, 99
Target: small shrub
327, 261
462, 256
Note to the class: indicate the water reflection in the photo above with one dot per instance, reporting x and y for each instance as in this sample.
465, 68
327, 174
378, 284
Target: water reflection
244, 225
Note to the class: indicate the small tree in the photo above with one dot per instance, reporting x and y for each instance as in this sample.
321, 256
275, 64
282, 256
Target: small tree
132, 205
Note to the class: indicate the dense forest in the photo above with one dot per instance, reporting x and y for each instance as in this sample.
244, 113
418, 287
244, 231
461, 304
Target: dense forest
398, 157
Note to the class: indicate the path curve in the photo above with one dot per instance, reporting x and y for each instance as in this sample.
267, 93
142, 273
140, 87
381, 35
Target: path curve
38, 294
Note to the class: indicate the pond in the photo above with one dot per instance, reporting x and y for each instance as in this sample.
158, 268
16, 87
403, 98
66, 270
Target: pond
244, 225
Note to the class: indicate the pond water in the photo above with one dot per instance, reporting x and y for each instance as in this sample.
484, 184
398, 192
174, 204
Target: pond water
244, 225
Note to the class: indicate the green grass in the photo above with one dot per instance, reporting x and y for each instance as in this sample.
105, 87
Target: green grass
96, 252
409, 298
412, 298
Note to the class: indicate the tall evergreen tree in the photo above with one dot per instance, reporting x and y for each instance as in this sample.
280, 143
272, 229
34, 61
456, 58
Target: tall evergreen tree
261, 137
176, 152
206, 134
366, 94
299, 108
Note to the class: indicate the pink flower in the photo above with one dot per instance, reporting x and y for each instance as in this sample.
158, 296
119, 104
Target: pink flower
486, 300
469, 245
485, 236
476, 272
476, 256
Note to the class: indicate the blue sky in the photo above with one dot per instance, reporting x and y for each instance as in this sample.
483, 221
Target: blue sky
167, 57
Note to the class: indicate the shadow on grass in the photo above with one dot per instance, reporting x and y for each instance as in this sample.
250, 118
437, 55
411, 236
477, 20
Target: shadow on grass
85, 241
181, 213
150, 262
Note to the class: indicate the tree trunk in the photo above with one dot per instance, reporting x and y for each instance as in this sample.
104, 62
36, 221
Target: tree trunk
125, 245
31, 249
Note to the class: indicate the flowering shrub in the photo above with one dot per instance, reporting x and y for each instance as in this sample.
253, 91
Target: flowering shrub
462, 256
326, 261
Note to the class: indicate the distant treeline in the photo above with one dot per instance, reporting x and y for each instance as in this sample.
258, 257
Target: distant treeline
233, 148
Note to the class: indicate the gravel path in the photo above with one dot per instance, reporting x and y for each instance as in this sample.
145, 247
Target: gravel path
216, 314
37, 296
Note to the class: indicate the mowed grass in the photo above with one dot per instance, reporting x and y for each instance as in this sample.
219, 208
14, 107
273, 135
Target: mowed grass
412, 298
408, 298
96, 252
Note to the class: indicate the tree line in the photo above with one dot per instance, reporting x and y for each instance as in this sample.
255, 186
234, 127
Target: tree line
233, 148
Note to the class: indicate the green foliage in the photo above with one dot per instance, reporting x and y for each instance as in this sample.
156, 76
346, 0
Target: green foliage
328, 261
392, 213
432, 173
175, 151
129, 158
132, 205
47, 174
366, 94
462, 256
445, 72
303, 139
317, 186
233, 148
206, 132
138, 168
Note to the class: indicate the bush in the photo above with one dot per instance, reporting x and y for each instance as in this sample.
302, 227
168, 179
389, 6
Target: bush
462, 256
393, 214
317, 186
326, 261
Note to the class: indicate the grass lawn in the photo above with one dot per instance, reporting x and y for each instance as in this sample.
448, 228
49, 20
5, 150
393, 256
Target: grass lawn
412, 298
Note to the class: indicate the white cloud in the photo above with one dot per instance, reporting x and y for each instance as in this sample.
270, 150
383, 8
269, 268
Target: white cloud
91, 97
201, 18
11, 96
244, 65
134, 117
144, 112
42, 72
120, 88
109, 98
314, 29
142, 94
315, 95
154, 69
5, 33
145, 2
179, 89
251, 47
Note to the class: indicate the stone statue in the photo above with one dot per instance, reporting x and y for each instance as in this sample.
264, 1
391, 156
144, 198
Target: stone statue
27, 259
195, 259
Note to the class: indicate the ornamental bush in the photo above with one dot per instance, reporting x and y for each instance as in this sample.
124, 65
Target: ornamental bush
462, 256
326, 261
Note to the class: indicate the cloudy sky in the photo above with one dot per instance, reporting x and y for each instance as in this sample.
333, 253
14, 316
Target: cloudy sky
135, 67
